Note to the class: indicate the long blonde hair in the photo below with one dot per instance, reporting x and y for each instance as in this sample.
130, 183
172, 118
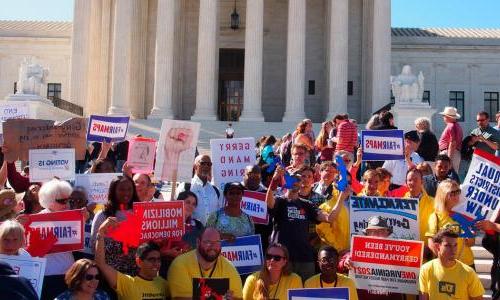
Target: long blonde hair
443, 191
261, 291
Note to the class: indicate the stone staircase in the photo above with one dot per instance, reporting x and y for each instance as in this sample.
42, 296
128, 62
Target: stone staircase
483, 261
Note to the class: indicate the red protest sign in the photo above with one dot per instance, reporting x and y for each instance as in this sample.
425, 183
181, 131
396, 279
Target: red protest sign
254, 205
160, 220
65, 226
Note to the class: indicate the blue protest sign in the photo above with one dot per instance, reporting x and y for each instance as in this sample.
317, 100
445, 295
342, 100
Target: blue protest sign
340, 293
107, 129
245, 253
382, 144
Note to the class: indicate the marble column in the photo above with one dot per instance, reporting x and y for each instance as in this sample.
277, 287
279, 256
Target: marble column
338, 58
295, 61
208, 61
164, 61
381, 59
94, 64
254, 36
121, 64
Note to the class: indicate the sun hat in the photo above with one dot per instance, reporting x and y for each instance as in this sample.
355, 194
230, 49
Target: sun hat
378, 222
450, 111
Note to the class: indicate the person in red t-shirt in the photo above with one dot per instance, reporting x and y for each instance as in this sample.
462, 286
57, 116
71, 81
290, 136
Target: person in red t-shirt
450, 141
347, 134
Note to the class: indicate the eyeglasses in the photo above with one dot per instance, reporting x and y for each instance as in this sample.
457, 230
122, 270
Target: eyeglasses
205, 163
90, 277
481, 120
62, 201
274, 257
455, 192
153, 260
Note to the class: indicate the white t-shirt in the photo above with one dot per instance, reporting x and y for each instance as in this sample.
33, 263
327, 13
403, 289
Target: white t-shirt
398, 168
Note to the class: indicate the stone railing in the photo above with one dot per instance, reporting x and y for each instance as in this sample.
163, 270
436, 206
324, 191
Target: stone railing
67, 106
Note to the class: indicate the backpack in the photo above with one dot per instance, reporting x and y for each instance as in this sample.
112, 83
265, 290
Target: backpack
187, 187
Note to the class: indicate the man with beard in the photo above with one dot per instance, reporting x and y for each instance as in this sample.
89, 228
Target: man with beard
442, 170
292, 218
328, 258
147, 284
203, 262
209, 196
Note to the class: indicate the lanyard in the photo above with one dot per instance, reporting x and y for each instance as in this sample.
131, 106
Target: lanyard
321, 282
277, 288
211, 272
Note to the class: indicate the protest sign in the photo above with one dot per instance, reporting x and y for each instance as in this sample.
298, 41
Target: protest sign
87, 243
336, 293
141, 155
254, 205
45, 164
175, 151
21, 135
32, 268
160, 220
382, 144
245, 253
14, 110
67, 226
384, 265
229, 159
480, 192
210, 288
401, 214
107, 129
96, 185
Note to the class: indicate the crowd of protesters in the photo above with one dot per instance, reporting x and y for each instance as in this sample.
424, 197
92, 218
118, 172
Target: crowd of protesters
307, 241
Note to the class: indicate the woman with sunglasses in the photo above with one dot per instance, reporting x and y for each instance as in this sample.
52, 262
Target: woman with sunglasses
447, 196
82, 280
274, 279
54, 196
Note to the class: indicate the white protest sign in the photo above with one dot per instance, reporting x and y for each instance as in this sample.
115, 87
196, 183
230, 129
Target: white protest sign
14, 110
32, 268
46, 164
141, 155
229, 159
401, 214
96, 185
175, 151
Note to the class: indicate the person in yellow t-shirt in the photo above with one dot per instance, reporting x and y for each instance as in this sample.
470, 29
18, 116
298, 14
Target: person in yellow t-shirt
147, 284
274, 279
205, 261
414, 182
446, 277
447, 196
328, 258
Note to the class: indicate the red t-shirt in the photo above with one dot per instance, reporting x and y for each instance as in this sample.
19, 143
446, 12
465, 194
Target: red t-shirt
453, 131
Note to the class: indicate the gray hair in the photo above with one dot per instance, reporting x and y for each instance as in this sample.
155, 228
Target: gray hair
12, 226
52, 190
374, 121
423, 122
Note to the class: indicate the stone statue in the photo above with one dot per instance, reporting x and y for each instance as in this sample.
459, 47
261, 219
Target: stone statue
408, 88
31, 77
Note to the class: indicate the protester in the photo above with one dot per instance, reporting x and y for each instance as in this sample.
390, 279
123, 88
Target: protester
54, 196
30, 199
327, 172
347, 134
193, 226
447, 196
425, 203
274, 279
429, 147
12, 239
9, 204
425, 168
321, 142
146, 284
209, 196
442, 171
328, 258
292, 218
205, 261
13, 286
252, 179
82, 279
300, 157
485, 137
450, 141
446, 277
306, 189
231, 221
267, 149
371, 183
121, 197
301, 136
145, 188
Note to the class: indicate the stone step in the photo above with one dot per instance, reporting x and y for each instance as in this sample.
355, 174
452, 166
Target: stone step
485, 280
483, 265
481, 253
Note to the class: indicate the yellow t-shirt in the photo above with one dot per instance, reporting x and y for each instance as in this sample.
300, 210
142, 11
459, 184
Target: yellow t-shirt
342, 281
336, 234
136, 288
425, 209
457, 282
440, 220
185, 267
292, 281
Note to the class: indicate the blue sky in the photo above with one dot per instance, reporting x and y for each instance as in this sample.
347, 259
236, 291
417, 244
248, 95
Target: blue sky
405, 13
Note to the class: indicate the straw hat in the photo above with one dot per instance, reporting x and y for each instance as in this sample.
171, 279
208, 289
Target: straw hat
451, 112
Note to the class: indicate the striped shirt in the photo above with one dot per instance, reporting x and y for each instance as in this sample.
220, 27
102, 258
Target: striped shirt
347, 136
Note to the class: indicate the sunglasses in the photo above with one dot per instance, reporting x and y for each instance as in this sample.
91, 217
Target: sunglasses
481, 120
205, 163
90, 277
63, 201
274, 257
